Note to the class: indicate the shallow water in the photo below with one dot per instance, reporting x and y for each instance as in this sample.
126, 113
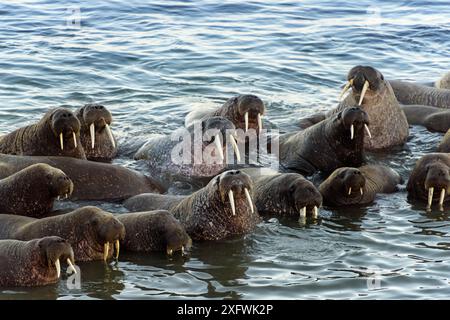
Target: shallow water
152, 63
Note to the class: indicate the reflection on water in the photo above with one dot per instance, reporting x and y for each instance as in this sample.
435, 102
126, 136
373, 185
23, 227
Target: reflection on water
150, 64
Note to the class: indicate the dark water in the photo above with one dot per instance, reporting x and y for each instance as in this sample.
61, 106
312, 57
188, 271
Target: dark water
152, 63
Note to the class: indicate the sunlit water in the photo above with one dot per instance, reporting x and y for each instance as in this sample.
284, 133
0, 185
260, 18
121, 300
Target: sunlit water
150, 64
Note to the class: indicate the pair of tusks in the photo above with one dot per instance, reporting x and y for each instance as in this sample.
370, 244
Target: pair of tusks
363, 91
219, 147
58, 267
108, 131
352, 131
66, 196
303, 212
106, 250
170, 251
259, 122
61, 140
360, 191
441, 198
233, 205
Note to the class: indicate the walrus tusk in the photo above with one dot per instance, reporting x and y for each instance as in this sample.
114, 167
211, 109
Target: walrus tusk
361, 191
105, 251
58, 268
108, 131
363, 92
182, 250
117, 245
303, 212
315, 212
219, 146
430, 196
347, 86
366, 127
61, 141
442, 197
249, 199
350, 191
58, 198
235, 148
352, 132
231, 198
71, 265
74, 139
259, 123
92, 130
246, 121
67, 196
169, 251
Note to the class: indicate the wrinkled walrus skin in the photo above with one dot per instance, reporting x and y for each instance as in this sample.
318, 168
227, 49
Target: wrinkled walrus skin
409, 93
32, 263
444, 146
92, 180
56, 134
434, 119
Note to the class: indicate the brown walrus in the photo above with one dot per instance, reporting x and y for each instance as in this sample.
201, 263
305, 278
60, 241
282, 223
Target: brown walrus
222, 209
332, 143
33, 263
96, 136
418, 94
373, 94
430, 180
92, 180
358, 186
444, 146
91, 231
56, 134
153, 231
434, 119
244, 111
33, 190
284, 194
444, 82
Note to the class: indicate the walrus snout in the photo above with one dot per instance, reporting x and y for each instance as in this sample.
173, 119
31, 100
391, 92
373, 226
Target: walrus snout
353, 181
306, 197
360, 74
97, 114
234, 184
356, 119
177, 239
54, 250
62, 185
250, 111
438, 179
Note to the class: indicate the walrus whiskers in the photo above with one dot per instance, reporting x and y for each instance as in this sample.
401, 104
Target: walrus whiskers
111, 138
352, 132
346, 88
61, 141
74, 139
249, 199
246, 121
235, 148
219, 146
92, 130
231, 198
71, 265
58, 268
259, 123
430, 196
363, 92
366, 127
105, 251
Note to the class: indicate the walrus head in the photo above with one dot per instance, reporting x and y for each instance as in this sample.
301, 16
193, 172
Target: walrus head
174, 236
96, 119
53, 250
355, 121
344, 186
59, 184
366, 83
235, 186
437, 179
245, 111
66, 128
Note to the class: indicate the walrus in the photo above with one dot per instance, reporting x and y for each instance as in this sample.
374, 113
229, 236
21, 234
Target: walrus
94, 181
91, 231
153, 231
373, 94
332, 143
410, 93
434, 119
204, 150
33, 190
33, 263
96, 136
444, 82
244, 111
223, 208
444, 146
56, 134
283, 194
430, 180
358, 186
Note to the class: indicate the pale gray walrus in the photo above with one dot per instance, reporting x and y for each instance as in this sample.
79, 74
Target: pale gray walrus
56, 134
444, 146
92, 180
434, 119
430, 180
334, 142
96, 136
91, 232
358, 186
201, 152
244, 111
375, 96
33, 190
222, 209
33, 263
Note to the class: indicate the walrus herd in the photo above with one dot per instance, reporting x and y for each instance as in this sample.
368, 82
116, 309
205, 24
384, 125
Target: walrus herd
68, 154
